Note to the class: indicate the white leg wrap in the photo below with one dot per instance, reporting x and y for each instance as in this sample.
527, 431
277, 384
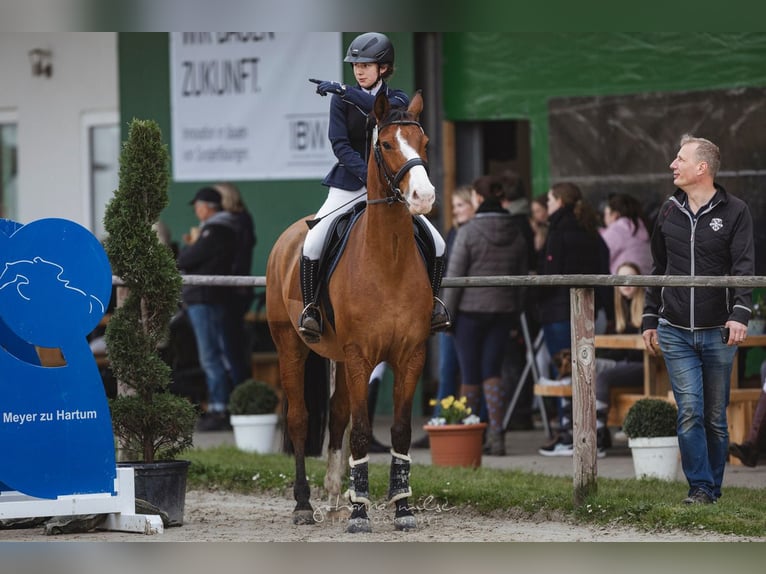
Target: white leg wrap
352, 463
406, 457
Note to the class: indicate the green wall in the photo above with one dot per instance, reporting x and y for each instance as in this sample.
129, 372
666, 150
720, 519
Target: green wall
493, 75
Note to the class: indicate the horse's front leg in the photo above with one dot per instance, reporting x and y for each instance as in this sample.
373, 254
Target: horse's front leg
406, 375
358, 372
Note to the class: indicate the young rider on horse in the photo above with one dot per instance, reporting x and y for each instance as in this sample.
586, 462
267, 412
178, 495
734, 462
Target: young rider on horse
372, 58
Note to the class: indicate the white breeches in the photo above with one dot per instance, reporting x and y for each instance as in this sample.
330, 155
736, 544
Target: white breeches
339, 201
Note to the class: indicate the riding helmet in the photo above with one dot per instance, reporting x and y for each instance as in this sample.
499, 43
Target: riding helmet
371, 47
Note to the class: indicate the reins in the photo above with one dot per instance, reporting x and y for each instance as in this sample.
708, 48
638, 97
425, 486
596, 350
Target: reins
394, 194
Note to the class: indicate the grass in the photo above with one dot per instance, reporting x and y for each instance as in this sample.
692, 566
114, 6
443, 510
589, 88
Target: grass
650, 505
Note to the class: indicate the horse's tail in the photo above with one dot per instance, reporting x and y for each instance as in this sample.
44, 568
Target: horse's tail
316, 394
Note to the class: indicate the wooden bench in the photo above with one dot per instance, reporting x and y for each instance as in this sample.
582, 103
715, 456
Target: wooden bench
739, 415
620, 399
553, 390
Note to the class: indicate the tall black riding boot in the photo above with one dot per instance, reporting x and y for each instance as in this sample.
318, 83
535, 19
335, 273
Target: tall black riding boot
440, 317
310, 322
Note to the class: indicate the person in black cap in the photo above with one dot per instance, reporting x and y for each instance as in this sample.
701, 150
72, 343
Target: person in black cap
212, 253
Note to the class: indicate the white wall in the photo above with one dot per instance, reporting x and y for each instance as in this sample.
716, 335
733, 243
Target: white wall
50, 111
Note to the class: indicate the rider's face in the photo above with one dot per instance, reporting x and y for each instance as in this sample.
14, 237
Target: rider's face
366, 74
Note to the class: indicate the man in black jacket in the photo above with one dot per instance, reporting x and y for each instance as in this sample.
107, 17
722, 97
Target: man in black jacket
212, 253
700, 230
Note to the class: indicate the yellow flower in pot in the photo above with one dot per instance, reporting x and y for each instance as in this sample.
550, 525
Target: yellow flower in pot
456, 435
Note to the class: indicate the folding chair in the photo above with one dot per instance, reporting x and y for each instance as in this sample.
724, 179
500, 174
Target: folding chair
529, 369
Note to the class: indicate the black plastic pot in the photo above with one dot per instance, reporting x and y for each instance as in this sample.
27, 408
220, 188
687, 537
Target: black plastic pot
162, 484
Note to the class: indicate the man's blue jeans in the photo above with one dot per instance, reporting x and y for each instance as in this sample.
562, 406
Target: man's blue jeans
208, 323
699, 366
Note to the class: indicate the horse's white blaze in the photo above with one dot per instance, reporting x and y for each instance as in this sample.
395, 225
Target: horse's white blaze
420, 193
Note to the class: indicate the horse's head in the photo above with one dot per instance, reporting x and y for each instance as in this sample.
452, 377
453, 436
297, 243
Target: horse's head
400, 154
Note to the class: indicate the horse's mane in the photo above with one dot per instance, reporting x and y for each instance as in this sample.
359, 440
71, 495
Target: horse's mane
396, 114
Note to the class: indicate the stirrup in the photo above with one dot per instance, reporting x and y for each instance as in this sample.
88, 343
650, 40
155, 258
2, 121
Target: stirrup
440, 318
310, 323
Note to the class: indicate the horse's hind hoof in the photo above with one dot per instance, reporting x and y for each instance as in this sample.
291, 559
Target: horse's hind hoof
356, 525
405, 523
303, 517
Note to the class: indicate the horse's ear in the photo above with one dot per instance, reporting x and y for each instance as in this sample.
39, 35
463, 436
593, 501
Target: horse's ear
381, 106
416, 104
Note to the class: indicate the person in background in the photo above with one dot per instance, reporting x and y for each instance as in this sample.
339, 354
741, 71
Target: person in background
240, 298
626, 232
371, 56
516, 203
538, 220
755, 443
700, 230
574, 246
488, 244
212, 253
463, 211
626, 368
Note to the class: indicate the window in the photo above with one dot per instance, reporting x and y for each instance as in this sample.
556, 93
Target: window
9, 165
101, 132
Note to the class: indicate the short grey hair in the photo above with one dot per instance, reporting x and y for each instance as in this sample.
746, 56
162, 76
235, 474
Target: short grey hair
706, 151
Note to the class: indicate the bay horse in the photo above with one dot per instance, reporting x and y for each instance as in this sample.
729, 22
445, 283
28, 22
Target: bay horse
382, 300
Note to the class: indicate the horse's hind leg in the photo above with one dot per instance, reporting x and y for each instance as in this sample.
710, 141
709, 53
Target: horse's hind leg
292, 360
406, 377
339, 417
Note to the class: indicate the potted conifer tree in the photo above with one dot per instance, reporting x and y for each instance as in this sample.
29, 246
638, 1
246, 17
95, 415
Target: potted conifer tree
152, 425
651, 427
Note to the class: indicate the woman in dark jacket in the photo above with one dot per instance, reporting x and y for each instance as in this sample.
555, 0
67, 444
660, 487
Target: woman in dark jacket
488, 244
573, 247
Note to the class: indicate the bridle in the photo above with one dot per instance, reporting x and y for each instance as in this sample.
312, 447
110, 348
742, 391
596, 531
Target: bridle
393, 193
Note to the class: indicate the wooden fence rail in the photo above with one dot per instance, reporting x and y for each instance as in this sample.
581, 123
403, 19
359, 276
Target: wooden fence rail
583, 333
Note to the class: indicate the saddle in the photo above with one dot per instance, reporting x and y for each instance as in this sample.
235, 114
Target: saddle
335, 244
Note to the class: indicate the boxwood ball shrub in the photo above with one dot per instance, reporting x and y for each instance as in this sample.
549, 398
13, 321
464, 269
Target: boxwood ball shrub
253, 398
649, 418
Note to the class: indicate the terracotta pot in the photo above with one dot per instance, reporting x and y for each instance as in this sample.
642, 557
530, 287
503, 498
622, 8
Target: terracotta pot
456, 445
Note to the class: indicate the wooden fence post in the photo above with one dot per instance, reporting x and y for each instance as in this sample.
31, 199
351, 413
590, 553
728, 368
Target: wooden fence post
583, 393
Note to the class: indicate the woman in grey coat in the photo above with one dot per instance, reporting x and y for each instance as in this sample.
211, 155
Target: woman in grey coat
490, 244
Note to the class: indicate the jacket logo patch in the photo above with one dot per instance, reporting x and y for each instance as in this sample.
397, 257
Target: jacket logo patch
716, 224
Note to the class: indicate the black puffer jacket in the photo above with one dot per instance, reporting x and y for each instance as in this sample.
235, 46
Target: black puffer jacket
570, 250
718, 243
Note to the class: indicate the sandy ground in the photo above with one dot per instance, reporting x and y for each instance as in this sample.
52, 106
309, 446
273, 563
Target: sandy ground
228, 517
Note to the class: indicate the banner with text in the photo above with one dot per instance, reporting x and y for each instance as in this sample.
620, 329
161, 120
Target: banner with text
242, 106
